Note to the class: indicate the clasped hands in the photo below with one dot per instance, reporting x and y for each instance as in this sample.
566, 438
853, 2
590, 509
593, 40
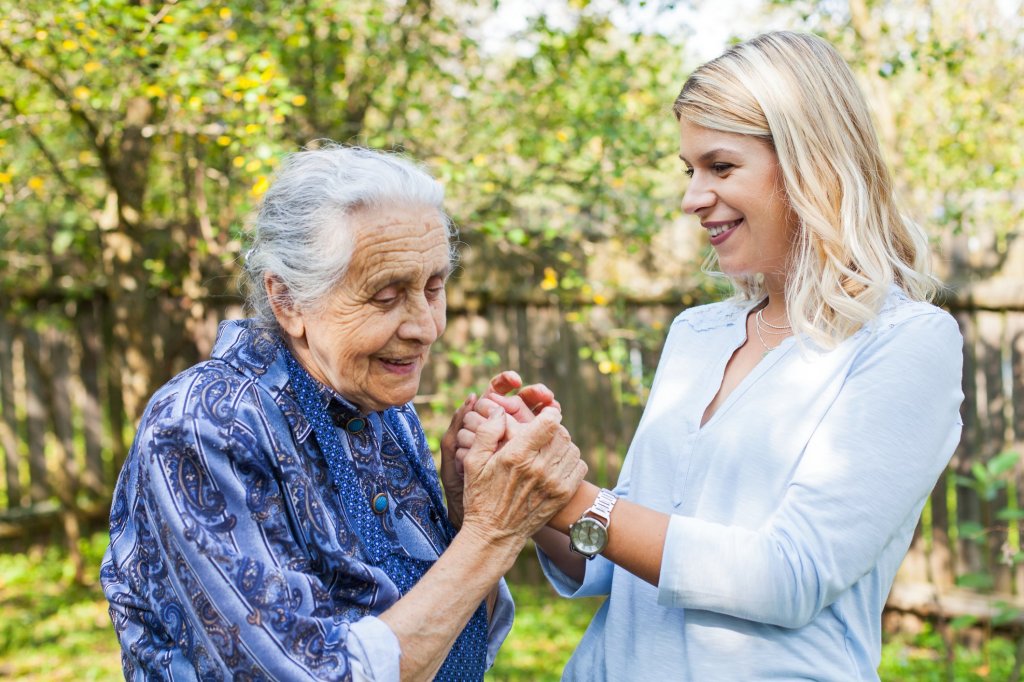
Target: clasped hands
507, 463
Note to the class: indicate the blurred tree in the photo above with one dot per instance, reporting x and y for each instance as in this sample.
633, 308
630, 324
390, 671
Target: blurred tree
943, 77
136, 135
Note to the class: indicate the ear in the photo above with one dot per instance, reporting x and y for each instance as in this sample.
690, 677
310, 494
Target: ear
288, 316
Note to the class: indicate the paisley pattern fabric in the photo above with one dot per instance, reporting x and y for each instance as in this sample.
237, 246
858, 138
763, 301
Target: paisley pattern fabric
231, 553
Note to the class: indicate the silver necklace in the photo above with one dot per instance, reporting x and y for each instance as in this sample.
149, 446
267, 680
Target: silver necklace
782, 329
770, 330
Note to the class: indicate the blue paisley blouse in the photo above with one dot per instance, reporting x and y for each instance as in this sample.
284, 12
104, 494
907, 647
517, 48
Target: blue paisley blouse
231, 555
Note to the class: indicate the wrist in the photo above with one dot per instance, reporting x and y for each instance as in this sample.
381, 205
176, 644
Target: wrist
580, 502
502, 548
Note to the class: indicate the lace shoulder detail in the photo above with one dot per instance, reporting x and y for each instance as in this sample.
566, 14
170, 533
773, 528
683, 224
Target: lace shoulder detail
899, 307
714, 315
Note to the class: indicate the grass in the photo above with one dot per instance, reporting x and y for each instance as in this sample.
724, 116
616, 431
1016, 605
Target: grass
52, 630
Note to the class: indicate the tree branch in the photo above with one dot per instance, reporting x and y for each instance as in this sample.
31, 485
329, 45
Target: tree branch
98, 140
51, 159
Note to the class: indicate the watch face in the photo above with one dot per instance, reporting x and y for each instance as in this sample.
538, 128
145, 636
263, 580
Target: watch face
588, 536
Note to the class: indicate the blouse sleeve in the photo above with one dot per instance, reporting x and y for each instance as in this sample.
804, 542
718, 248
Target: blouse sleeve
228, 597
860, 484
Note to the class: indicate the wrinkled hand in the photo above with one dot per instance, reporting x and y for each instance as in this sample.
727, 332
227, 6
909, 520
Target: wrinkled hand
519, 408
512, 492
526, 403
451, 469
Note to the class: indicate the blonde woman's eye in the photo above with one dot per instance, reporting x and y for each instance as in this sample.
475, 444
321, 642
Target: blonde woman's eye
721, 168
688, 172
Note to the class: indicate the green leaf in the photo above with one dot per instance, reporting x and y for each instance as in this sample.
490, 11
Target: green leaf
1003, 462
962, 622
976, 581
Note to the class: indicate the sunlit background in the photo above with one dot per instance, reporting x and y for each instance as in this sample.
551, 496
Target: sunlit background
136, 136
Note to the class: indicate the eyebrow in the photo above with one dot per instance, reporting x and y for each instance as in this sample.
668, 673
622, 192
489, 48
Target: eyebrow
402, 280
709, 154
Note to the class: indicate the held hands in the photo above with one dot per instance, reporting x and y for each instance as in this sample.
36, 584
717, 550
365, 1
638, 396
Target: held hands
512, 492
459, 437
519, 409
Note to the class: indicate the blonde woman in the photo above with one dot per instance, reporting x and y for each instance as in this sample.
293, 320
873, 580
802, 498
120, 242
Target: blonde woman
794, 431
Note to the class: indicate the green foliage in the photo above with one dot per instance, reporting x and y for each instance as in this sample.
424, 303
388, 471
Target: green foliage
50, 628
924, 658
546, 630
942, 76
988, 479
139, 135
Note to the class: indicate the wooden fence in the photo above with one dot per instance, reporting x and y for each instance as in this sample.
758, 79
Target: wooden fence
64, 436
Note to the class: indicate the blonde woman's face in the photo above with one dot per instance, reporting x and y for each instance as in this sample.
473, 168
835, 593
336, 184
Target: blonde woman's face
736, 191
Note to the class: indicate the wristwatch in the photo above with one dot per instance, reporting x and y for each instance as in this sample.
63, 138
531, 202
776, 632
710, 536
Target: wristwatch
589, 535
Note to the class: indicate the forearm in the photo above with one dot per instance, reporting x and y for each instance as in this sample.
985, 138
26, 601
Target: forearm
636, 536
430, 617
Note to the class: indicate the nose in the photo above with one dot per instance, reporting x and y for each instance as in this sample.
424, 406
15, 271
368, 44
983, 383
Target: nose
423, 323
698, 195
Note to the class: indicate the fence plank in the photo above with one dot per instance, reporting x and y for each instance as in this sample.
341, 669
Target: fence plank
113, 387
940, 556
1013, 384
968, 505
94, 475
40, 487
9, 424
992, 335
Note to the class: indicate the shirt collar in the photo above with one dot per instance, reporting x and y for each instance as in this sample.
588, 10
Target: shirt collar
254, 350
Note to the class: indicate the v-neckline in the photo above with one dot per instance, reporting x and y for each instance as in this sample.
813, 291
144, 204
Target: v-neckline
759, 369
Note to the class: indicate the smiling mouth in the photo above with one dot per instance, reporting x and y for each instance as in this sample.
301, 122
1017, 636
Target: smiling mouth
401, 362
722, 229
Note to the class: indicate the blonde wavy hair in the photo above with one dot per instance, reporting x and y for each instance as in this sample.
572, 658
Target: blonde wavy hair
795, 92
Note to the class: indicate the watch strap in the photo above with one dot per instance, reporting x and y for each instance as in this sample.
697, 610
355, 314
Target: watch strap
602, 507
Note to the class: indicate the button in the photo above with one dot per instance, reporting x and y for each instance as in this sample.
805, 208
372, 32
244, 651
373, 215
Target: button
380, 503
355, 425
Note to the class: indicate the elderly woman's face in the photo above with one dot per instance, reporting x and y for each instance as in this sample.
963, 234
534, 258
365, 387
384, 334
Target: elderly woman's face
372, 339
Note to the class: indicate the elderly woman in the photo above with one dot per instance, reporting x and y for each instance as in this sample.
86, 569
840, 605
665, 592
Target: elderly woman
279, 515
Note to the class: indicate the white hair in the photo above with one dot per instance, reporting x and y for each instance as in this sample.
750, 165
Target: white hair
301, 234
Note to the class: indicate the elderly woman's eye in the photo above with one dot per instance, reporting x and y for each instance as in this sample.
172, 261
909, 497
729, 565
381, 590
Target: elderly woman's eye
435, 287
386, 296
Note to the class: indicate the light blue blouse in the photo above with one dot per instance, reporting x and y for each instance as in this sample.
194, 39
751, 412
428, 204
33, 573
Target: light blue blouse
792, 507
232, 556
